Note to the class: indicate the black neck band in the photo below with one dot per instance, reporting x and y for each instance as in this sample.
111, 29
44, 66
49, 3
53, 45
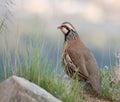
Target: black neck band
67, 35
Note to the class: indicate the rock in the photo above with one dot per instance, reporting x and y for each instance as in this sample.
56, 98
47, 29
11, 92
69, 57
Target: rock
16, 89
116, 76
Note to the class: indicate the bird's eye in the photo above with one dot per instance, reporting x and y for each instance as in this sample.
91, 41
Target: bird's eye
65, 27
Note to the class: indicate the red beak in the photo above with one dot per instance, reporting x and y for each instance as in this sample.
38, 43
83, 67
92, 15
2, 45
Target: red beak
59, 27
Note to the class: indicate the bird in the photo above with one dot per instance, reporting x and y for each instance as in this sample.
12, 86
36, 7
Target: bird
77, 60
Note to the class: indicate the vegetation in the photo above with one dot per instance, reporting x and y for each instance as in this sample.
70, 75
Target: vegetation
110, 90
30, 66
31, 62
6, 14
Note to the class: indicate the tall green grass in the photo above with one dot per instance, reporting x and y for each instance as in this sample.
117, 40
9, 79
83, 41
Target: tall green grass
110, 90
31, 62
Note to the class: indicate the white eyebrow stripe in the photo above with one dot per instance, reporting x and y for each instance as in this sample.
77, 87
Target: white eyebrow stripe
69, 26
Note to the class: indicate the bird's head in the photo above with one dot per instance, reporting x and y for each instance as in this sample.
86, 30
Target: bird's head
66, 27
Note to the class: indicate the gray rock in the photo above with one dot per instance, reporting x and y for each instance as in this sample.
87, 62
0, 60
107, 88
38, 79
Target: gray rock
16, 89
115, 77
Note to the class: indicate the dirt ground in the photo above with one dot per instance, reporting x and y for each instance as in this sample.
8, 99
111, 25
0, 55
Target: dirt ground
91, 98
95, 99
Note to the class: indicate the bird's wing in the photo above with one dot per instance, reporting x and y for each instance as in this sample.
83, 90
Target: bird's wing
79, 61
71, 67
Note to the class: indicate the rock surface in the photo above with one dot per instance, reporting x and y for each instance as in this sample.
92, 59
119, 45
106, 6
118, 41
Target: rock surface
116, 76
16, 89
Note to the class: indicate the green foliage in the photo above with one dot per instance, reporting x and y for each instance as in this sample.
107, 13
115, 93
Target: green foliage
109, 89
34, 66
1, 25
41, 73
6, 7
29, 62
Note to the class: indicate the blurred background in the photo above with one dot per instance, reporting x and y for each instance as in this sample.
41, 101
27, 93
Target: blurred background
96, 21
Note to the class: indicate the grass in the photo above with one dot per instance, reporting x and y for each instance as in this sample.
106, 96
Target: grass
32, 63
110, 90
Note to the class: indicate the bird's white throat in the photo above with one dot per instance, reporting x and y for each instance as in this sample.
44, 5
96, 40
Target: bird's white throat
64, 30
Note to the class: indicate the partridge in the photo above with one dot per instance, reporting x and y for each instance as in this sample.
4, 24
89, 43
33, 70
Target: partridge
78, 61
